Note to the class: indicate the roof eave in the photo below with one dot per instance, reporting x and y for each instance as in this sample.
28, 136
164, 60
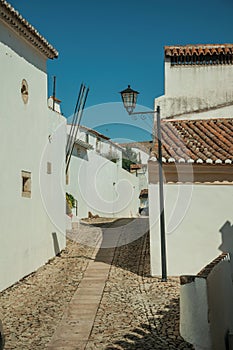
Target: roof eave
22, 27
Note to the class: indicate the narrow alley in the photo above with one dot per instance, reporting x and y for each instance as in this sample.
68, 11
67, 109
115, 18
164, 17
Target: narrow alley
95, 298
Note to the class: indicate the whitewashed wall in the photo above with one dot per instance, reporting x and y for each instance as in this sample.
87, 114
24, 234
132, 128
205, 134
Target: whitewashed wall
192, 108
102, 187
142, 173
214, 82
141, 155
194, 88
103, 146
143, 179
194, 216
52, 178
206, 308
27, 234
194, 324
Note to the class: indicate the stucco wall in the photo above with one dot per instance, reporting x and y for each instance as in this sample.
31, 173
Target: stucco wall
27, 234
102, 187
194, 91
52, 178
194, 324
214, 82
142, 157
194, 216
102, 146
220, 302
186, 107
206, 308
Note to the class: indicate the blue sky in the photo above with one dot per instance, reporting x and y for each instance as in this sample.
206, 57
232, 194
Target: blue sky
109, 44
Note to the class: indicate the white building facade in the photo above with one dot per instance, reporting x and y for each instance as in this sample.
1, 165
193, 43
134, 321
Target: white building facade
197, 131
198, 82
96, 178
198, 193
33, 150
197, 139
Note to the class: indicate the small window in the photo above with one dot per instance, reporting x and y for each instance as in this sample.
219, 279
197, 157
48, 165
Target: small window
26, 184
49, 168
87, 138
98, 144
24, 91
79, 151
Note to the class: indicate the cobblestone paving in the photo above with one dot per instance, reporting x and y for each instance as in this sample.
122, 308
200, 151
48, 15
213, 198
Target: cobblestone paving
33, 307
136, 311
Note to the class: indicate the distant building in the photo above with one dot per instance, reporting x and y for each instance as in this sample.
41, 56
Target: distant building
33, 150
142, 152
139, 167
96, 179
144, 203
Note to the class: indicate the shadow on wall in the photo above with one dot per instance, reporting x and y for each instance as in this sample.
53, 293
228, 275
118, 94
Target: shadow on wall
160, 333
227, 240
227, 237
55, 244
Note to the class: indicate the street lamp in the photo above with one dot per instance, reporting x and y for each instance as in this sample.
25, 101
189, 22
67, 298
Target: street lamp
129, 98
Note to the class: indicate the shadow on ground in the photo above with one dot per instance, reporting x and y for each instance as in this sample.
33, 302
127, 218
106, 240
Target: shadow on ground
113, 223
120, 256
161, 330
122, 238
161, 333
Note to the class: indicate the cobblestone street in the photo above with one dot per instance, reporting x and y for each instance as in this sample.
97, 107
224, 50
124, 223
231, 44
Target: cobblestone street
135, 310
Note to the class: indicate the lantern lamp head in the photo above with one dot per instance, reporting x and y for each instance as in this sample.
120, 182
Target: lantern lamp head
129, 98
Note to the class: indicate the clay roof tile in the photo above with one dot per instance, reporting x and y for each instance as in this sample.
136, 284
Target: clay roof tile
19, 24
208, 140
198, 49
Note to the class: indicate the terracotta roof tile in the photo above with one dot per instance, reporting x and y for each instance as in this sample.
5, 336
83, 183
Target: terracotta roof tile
209, 140
183, 50
13, 18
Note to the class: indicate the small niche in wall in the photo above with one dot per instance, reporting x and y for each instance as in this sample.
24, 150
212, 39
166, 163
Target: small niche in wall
26, 184
98, 144
49, 168
24, 91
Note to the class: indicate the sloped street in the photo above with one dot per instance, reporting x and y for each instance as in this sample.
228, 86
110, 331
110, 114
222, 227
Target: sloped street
132, 310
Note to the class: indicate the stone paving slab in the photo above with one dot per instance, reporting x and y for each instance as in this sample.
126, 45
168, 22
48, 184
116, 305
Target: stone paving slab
67, 345
79, 317
33, 308
130, 311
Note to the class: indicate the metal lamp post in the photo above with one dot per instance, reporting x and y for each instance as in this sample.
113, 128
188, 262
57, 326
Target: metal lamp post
129, 98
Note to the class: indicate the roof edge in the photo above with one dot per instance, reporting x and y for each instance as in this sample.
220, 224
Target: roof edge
198, 49
21, 26
199, 161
